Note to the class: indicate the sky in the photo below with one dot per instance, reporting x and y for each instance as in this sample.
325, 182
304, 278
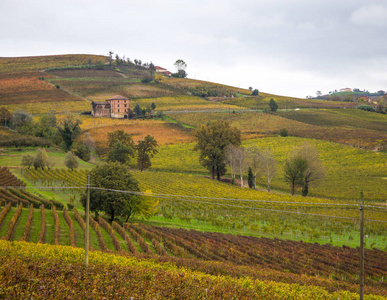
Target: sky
284, 47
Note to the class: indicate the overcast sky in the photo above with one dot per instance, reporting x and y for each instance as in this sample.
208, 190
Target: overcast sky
285, 47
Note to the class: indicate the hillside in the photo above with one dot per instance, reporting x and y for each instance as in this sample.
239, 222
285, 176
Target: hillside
211, 238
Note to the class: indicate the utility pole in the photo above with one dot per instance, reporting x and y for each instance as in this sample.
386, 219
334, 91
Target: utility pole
87, 221
362, 246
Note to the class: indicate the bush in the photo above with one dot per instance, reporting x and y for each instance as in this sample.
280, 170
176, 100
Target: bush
366, 107
255, 93
283, 132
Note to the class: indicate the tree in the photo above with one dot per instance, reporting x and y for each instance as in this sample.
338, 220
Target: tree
69, 130
268, 166
81, 150
27, 160
114, 176
180, 68
231, 160
40, 160
303, 168
120, 153
138, 111
5, 117
20, 118
145, 151
212, 139
314, 172
120, 136
71, 161
295, 167
273, 105
255, 92
250, 178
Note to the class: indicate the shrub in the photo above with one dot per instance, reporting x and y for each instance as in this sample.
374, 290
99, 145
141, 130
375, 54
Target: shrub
283, 132
255, 93
366, 107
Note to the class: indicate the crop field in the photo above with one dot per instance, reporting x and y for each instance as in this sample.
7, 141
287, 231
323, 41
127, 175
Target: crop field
165, 133
180, 103
256, 124
258, 212
284, 103
48, 263
339, 118
14, 64
331, 268
348, 170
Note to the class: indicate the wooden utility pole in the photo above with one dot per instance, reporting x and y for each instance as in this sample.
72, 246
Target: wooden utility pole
362, 246
87, 221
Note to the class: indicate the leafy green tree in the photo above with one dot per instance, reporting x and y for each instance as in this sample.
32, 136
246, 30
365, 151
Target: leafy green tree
41, 159
81, 150
153, 106
212, 139
138, 111
27, 161
69, 130
255, 92
273, 105
71, 161
120, 153
145, 151
115, 176
120, 136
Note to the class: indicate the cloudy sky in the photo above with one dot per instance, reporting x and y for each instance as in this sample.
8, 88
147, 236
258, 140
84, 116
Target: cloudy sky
285, 47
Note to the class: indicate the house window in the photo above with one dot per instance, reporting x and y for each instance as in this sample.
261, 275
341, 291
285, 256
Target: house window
125, 105
118, 105
118, 110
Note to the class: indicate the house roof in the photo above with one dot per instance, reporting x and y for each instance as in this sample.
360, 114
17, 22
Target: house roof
160, 68
100, 103
117, 97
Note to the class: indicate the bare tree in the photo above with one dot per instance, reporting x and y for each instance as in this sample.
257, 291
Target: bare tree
315, 171
235, 157
240, 161
268, 165
263, 163
231, 161
303, 168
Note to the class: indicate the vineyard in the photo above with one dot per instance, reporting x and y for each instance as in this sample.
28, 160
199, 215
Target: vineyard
255, 124
207, 239
332, 268
349, 170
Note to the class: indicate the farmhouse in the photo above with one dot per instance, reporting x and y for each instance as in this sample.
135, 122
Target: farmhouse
115, 107
163, 71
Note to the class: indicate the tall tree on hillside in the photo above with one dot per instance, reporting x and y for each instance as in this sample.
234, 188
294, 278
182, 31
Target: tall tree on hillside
303, 168
212, 139
268, 166
145, 151
5, 117
120, 136
273, 105
69, 130
180, 68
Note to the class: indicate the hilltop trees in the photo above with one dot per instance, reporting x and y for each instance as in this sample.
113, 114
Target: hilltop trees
212, 140
180, 68
273, 105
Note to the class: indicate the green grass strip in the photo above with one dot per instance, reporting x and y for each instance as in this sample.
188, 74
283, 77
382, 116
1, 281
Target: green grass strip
35, 226
64, 229
7, 221
18, 230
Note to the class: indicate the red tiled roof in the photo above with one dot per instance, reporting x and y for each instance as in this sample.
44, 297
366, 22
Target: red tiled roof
117, 97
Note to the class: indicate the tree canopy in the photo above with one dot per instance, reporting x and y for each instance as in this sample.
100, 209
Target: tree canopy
212, 139
145, 151
115, 176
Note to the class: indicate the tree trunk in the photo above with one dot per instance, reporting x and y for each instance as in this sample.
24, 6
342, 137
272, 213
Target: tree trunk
293, 187
305, 189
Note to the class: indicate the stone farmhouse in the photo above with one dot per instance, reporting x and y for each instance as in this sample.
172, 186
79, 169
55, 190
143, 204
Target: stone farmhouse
115, 107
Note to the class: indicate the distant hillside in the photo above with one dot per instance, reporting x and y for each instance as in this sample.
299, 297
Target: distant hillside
70, 82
